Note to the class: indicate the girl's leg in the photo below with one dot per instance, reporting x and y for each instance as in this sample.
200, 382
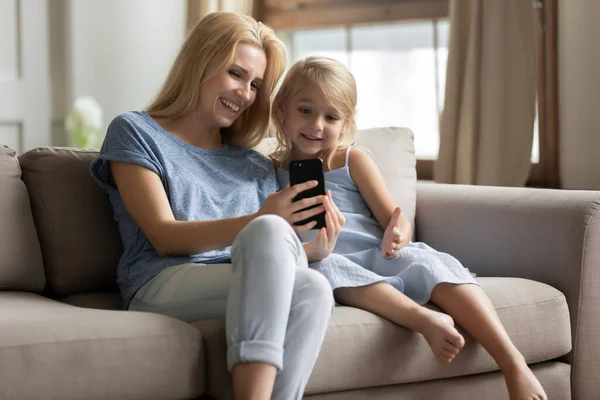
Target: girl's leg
472, 310
275, 303
386, 301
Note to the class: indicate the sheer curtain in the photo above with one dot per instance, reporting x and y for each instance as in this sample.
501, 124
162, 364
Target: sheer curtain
486, 131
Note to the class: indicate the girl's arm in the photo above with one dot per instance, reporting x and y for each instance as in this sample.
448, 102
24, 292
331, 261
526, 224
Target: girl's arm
145, 199
373, 189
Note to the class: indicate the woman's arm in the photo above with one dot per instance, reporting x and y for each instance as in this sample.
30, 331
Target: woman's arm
373, 189
145, 199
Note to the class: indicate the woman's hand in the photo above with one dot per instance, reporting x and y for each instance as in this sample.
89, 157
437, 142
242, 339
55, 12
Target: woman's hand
394, 238
281, 204
324, 243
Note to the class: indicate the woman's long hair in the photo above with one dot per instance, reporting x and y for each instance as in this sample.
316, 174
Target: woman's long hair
211, 46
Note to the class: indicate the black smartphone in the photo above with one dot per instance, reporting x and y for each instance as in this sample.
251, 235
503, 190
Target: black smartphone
309, 170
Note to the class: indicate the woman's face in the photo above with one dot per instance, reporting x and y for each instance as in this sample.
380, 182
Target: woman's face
226, 95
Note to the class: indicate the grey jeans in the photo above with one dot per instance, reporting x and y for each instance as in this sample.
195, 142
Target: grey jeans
276, 308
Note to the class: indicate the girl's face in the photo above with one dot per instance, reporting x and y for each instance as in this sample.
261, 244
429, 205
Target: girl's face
312, 123
226, 95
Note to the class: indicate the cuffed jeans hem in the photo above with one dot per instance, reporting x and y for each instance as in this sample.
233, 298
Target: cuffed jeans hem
255, 351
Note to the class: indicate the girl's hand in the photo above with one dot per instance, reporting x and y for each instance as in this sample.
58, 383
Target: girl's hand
393, 238
280, 203
324, 243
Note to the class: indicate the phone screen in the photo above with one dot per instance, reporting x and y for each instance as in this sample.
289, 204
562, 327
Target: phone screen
309, 170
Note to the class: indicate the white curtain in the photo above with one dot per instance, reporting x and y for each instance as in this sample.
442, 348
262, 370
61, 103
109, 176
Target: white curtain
486, 130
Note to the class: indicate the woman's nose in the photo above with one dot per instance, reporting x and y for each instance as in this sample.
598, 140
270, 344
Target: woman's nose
245, 92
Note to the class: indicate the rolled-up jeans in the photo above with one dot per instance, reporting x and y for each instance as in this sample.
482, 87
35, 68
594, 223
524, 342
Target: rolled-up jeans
276, 308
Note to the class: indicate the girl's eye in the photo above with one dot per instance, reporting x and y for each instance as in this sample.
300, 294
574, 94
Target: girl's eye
332, 118
255, 85
304, 110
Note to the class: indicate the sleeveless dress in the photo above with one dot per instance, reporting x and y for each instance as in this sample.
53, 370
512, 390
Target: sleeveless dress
357, 258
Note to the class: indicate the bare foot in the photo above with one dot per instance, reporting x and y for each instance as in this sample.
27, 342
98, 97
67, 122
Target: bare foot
443, 338
523, 385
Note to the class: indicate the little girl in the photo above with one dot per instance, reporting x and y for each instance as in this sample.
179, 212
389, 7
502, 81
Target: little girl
374, 265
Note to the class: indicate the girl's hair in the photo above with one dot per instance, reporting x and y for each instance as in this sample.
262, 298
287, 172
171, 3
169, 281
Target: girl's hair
211, 46
337, 84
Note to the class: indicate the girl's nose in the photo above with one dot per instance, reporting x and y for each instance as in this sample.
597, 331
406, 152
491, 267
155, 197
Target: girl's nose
317, 123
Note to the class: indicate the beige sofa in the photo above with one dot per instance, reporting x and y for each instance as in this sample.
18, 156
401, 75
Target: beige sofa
536, 253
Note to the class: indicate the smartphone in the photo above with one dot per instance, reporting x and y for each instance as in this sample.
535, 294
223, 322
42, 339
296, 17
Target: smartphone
309, 170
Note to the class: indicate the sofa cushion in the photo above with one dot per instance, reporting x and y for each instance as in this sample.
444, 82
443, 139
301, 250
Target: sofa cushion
21, 266
50, 350
554, 376
362, 350
74, 219
394, 153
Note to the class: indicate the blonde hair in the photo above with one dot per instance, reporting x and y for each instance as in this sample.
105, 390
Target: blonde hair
339, 87
211, 46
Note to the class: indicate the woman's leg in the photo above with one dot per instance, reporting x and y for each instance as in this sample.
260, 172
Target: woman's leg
275, 303
473, 310
386, 301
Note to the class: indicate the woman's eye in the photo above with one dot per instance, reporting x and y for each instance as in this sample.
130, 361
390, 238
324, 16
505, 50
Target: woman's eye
304, 110
234, 74
255, 85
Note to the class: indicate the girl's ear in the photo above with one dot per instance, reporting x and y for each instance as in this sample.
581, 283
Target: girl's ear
279, 113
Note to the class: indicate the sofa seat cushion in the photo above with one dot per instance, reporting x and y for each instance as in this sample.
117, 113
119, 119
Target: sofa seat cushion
50, 350
363, 350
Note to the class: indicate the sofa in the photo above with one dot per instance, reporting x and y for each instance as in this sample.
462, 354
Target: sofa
63, 336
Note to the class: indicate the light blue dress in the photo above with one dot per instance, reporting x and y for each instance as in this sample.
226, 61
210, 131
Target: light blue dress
357, 258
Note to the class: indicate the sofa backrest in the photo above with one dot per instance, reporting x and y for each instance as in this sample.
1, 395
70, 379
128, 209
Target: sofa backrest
21, 266
394, 153
79, 238
74, 220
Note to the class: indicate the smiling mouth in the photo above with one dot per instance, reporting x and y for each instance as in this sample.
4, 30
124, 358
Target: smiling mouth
230, 105
311, 138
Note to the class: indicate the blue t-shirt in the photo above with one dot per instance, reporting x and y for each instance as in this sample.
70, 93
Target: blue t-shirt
201, 185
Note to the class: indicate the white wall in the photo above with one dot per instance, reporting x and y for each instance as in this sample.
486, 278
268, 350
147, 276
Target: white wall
117, 51
25, 111
579, 86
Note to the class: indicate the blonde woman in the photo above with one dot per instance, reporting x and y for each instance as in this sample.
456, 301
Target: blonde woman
184, 184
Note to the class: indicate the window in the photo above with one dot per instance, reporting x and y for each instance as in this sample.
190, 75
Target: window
398, 50
400, 70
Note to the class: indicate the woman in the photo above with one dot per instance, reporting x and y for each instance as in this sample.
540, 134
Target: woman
184, 184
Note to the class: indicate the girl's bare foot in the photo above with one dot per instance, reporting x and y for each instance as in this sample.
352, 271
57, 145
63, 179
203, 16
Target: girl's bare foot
522, 384
443, 338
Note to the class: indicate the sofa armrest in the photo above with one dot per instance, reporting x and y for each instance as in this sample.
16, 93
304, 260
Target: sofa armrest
550, 236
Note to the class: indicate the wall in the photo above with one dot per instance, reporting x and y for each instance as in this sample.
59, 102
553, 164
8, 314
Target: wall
117, 51
579, 85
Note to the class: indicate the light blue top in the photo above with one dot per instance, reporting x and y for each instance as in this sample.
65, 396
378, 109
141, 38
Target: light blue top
201, 185
357, 260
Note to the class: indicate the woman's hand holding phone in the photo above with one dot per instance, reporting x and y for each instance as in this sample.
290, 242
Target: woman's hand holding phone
323, 244
281, 204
